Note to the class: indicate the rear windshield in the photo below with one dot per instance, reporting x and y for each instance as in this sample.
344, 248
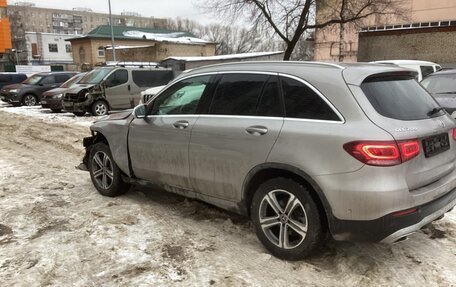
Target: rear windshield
442, 84
400, 98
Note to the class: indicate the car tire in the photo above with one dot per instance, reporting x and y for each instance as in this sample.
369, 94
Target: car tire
29, 100
56, 110
105, 174
286, 219
100, 108
79, 114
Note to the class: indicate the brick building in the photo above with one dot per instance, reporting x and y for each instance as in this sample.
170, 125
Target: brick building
425, 31
149, 45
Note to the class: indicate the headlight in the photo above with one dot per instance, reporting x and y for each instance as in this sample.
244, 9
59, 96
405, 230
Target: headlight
14, 91
58, 96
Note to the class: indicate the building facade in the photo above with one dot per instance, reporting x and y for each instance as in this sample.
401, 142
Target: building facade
48, 48
417, 17
5, 39
25, 17
138, 44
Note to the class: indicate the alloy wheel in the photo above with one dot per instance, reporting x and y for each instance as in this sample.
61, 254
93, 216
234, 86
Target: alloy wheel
102, 170
283, 219
101, 109
29, 100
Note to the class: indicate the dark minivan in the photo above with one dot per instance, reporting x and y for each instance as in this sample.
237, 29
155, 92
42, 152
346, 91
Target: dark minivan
11, 78
28, 93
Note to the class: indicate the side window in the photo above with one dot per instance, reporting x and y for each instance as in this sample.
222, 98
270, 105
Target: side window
61, 78
302, 102
117, 78
49, 80
426, 70
152, 78
238, 94
181, 98
269, 104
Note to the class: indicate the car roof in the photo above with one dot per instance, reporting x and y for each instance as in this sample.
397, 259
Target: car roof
55, 73
444, 72
353, 73
405, 62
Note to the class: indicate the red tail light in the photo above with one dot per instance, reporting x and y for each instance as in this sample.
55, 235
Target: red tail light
454, 134
383, 153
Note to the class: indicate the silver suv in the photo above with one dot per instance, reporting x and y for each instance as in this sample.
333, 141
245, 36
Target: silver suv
359, 150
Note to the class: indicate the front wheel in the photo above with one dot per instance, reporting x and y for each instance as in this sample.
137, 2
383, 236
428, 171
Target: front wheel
29, 100
100, 108
105, 174
286, 219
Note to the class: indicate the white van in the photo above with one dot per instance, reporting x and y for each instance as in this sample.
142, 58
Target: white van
423, 68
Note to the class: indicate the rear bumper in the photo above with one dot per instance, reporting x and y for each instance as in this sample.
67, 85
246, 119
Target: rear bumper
390, 228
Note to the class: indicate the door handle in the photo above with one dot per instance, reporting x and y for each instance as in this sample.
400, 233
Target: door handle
181, 125
257, 130
129, 88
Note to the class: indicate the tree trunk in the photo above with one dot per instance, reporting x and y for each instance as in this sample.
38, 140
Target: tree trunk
341, 42
290, 48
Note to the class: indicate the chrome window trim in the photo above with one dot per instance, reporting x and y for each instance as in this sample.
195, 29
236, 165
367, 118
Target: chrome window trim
315, 90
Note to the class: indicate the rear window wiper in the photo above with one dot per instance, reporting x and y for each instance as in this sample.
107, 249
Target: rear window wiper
434, 111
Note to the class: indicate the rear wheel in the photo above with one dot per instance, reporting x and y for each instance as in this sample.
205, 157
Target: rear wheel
105, 174
100, 108
286, 219
29, 100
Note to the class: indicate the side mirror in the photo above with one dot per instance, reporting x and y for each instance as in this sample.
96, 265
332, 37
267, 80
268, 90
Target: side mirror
140, 111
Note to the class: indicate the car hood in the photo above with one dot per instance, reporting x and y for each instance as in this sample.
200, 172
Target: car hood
15, 86
55, 91
116, 116
79, 87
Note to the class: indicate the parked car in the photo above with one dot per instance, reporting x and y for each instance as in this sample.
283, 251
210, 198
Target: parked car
423, 68
363, 151
442, 85
113, 88
149, 94
11, 78
28, 93
52, 99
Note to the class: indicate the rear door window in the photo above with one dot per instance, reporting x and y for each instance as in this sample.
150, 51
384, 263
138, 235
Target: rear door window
399, 98
238, 94
304, 103
152, 78
270, 104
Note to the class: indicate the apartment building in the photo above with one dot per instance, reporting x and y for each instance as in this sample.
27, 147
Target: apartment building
48, 48
26, 17
5, 39
427, 29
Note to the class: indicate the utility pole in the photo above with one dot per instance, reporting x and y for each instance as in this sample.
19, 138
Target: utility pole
112, 33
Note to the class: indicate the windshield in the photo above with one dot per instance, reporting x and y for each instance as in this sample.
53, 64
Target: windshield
440, 84
33, 80
74, 80
400, 98
95, 76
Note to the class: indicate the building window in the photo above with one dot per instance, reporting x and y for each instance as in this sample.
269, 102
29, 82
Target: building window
53, 48
68, 48
101, 52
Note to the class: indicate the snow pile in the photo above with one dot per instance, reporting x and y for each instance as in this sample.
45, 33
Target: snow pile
175, 37
47, 115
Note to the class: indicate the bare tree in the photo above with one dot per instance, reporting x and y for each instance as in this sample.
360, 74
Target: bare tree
290, 19
231, 40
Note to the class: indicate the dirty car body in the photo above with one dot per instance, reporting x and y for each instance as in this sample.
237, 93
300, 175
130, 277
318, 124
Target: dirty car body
352, 157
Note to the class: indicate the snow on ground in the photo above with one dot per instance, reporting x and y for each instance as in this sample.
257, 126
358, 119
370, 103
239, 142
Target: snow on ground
47, 115
56, 230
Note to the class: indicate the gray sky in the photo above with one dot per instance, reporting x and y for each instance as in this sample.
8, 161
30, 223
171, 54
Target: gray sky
156, 8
